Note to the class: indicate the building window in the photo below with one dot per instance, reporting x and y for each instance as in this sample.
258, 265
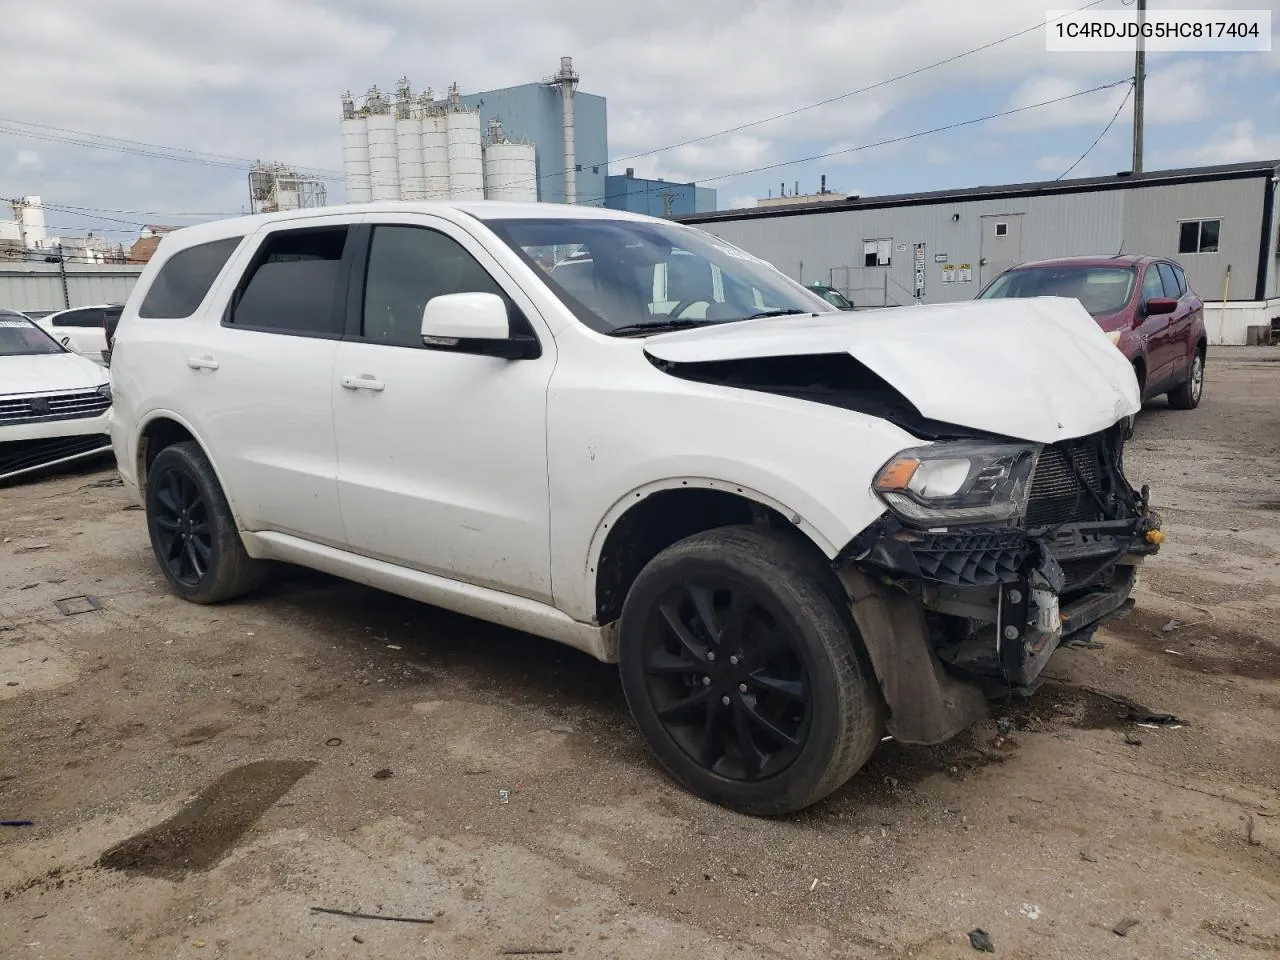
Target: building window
1198, 236
595, 169
1002, 228
877, 253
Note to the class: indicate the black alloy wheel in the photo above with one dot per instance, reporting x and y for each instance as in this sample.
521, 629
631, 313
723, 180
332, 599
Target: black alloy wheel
744, 671
182, 524
193, 531
726, 679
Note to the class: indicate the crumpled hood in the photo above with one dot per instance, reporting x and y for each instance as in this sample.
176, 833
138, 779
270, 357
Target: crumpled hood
49, 372
1036, 369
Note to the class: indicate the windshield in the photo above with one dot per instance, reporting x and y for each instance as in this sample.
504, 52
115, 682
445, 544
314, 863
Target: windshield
1100, 290
624, 275
19, 337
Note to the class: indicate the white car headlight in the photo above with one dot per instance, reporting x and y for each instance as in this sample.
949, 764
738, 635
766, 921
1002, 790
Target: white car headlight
958, 483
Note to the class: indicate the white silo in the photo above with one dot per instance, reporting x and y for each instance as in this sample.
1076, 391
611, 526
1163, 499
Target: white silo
409, 158
466, 163
435, 157
355, 153
510, 170
384, 170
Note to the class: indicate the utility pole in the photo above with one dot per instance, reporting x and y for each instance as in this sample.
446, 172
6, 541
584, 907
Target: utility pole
1139, 83
666, 204
62, 271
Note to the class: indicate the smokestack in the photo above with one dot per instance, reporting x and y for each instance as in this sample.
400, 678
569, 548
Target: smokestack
782, 189
567, 81
797, 190
824, 184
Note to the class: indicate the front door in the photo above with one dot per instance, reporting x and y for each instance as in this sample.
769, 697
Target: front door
1001, 245
442, 456
1156, 331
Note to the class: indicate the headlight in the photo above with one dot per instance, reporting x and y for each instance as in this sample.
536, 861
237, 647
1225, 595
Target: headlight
1114, 336
105, 390
958, 483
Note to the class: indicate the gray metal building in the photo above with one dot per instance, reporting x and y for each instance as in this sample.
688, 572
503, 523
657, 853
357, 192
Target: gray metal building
1219, 222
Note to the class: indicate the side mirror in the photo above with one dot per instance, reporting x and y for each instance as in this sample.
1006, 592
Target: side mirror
1159, 305
474, 323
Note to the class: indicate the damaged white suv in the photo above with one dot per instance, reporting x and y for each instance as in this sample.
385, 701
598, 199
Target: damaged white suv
794, 528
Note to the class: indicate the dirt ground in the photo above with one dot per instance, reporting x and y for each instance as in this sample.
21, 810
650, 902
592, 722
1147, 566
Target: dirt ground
201, 778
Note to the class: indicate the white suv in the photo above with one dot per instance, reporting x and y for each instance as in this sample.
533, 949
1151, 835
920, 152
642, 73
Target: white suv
793, 528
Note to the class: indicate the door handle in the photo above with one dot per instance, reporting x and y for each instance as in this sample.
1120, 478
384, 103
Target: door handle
202, 363
362, 383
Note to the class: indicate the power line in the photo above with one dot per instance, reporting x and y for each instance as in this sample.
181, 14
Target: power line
146, 149
829, 100
881, 143
1101, 135
66, 135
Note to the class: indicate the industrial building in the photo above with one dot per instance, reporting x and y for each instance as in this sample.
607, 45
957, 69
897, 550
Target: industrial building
538, 141
1219, 223
276, 186
657, 198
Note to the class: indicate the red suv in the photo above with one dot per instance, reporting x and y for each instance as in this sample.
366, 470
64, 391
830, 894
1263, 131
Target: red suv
1143, 304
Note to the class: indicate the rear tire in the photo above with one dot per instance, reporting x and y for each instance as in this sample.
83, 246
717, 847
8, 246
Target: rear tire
744, 671
193, 532
1187, 396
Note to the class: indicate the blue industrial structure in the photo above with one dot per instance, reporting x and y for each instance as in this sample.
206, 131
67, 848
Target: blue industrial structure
534, 112
657, 198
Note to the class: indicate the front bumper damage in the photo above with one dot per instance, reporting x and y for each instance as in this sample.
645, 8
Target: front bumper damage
953, 617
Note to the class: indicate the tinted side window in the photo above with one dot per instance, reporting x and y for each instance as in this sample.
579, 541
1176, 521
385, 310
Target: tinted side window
407, 267
185, 278
79, 318
291, 285
1151, 284
1170, 281
1182, 278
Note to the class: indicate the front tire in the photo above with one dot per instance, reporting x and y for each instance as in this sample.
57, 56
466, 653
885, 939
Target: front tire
1187, 396
193, 532
744, 671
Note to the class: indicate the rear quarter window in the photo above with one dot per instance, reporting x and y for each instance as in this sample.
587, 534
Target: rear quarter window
185, 278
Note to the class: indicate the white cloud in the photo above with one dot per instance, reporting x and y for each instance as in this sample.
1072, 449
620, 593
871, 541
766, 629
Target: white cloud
739, 202
1233, 143
1056, 164
27, 158
261, 79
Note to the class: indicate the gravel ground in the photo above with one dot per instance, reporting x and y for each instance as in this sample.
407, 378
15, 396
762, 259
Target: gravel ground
200, 778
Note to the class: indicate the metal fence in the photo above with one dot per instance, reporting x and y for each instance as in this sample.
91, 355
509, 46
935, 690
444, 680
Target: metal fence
37, 286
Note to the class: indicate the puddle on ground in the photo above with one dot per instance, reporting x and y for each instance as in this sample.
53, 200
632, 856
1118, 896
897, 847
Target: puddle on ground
1200, 647
205, 830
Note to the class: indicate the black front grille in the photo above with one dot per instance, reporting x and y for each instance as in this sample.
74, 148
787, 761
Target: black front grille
17, 455
1058, 492
52, 406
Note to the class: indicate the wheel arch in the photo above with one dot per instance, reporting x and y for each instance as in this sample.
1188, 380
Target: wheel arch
648, 519
163, 428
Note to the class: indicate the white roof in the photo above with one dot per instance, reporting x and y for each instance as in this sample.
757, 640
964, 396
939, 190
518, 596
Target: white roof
448, 209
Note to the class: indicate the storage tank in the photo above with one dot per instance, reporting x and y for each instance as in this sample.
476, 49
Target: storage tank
409, 158
466, 163
510, 172
355, 160
384, 170
435, 157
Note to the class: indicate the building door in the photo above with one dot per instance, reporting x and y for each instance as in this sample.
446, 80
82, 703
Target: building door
1001, 246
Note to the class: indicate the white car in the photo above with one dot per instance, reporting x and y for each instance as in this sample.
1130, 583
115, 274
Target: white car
53, 403
794, 528
82, 329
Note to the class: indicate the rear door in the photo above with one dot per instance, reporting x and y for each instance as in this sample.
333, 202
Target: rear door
80, 331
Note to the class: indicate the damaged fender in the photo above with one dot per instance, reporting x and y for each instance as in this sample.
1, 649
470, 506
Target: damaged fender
926, 704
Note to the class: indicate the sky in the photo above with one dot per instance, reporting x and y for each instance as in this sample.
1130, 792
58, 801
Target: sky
246, 79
